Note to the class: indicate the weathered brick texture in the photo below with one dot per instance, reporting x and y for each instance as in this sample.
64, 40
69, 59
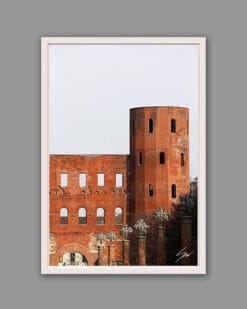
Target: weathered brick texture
147, 183
150, 145
91, 197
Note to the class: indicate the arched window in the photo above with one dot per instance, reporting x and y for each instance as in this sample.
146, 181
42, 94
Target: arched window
63, 216
139, 158
150, 125
162, 157
151, 190
82, 215
173, 126
182, 159
118, 215
100, 215
174, 193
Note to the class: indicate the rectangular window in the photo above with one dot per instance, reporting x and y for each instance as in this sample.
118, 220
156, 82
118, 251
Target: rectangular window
83, 180
182, 159
64, 180
140, 158
101, 179
151, 190
174, 191
119, 180
173, 126
150, 125
162, 157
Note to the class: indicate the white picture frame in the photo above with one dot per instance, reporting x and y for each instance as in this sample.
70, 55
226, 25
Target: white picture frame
200, 268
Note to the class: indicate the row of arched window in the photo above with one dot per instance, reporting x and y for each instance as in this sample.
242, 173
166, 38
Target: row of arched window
151, 126
100, 215
162, 158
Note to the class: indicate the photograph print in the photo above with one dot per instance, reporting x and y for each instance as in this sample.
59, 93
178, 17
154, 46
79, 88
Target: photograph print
123, 155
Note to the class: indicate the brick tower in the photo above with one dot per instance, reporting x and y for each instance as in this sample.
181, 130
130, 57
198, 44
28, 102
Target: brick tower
159, 158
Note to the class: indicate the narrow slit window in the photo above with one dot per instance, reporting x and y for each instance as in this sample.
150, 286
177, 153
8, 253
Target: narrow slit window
139, 158
82, 214
151, 125
173, 126
133, 127
64, 180
100, 215
174, 191
83, 180
151, 190
63, 216
182, 159
118, 215
162, 157
119, 180
101, 180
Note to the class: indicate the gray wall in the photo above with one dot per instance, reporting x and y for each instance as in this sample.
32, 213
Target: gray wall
22, 23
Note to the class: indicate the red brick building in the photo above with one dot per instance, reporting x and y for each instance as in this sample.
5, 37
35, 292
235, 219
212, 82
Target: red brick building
90, 194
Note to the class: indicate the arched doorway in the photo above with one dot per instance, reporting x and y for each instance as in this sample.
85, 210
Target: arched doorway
72, 247
73, 258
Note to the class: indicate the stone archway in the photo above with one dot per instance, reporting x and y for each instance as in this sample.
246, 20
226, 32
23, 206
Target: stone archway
72, 258
72, 247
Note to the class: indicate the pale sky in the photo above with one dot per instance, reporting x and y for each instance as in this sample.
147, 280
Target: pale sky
92, 88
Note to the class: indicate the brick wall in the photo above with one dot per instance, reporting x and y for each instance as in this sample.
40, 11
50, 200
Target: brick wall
90, 197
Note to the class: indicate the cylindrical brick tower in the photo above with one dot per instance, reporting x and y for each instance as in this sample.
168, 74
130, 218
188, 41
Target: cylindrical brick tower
159, 158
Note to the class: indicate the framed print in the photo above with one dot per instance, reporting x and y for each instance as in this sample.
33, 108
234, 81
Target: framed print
123, 158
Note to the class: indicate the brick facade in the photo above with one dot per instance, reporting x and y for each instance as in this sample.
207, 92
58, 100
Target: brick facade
162, 152
158, 161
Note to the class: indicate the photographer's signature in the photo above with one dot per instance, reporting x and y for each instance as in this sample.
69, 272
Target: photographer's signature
183, 254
